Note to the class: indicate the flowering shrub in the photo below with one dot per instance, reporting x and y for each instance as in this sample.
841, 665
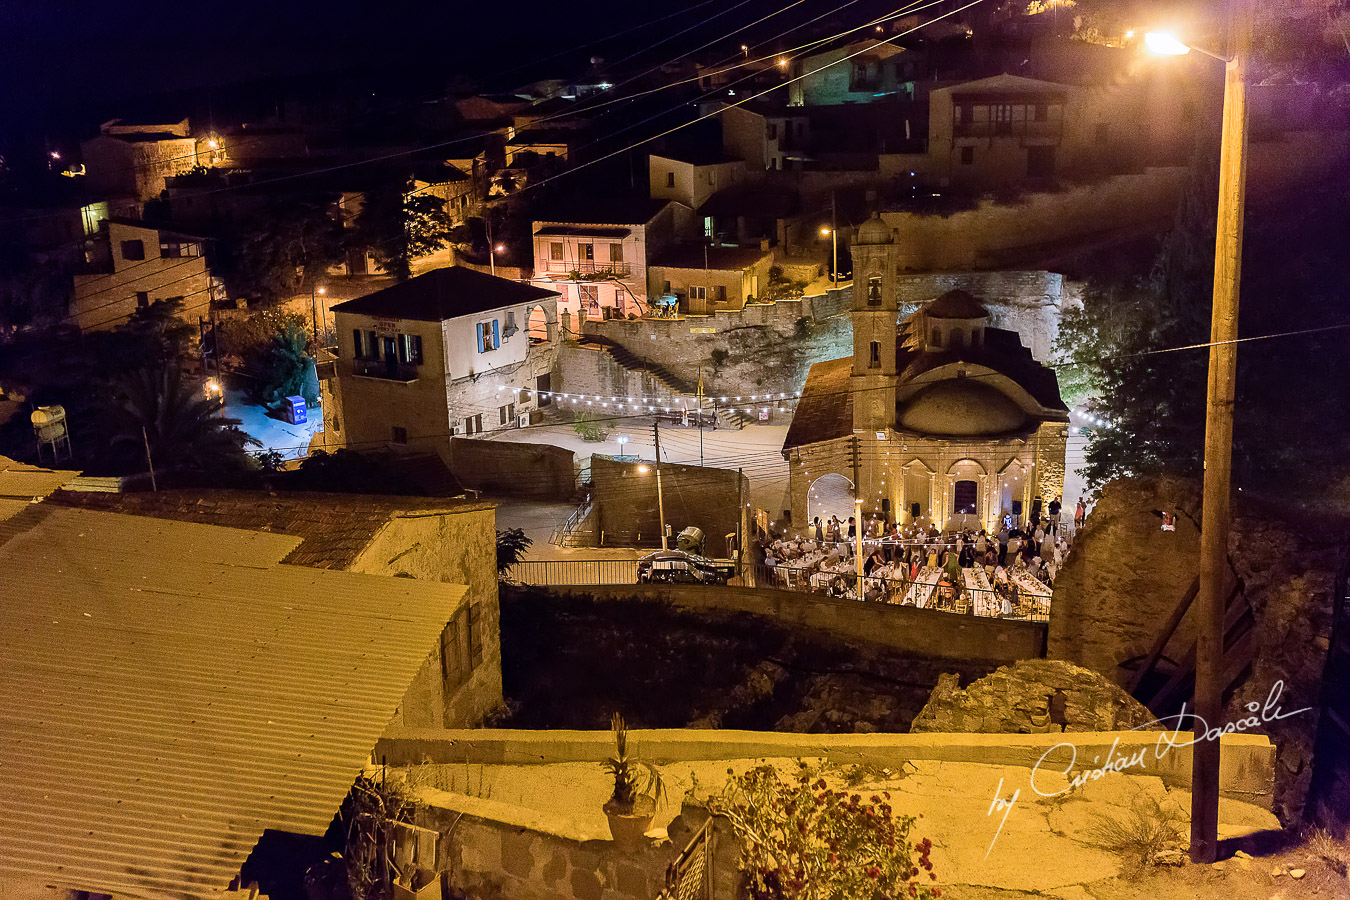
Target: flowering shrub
801, 840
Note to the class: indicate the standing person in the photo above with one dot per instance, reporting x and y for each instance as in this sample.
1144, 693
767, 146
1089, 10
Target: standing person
981, 542
1079, 514
834, 529
1014, 546
819, 530
852, 529
1052, 524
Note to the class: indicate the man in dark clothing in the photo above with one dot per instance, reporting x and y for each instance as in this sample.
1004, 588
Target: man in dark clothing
1054, 516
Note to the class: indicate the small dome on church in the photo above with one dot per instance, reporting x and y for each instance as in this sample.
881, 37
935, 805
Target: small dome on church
962, 407
956, 304
873, 231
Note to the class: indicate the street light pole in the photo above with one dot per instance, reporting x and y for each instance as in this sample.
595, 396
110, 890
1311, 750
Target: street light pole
660, 498
1215, 515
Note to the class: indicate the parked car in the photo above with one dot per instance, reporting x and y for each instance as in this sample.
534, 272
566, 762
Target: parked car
679, 567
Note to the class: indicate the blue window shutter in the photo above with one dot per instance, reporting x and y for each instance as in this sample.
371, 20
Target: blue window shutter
496, 336
480, 337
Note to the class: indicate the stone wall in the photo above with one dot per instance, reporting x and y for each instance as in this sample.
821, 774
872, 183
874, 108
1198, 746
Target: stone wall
540, 471
1038, 696
928, 632
704, 497
1027, 302
504, 852
456, 547
1126, 576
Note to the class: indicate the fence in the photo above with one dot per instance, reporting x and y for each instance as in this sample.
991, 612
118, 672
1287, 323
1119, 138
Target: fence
1021, 598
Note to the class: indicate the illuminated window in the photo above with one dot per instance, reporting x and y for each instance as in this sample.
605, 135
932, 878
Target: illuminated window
410, 349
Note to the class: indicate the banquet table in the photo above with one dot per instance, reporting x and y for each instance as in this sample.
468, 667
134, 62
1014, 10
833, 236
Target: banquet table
982, 593
1037, 591
921, 591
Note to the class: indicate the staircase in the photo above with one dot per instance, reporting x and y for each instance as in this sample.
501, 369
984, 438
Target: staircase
663, 376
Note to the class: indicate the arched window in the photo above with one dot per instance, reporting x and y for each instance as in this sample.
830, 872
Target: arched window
874, 290
964, 495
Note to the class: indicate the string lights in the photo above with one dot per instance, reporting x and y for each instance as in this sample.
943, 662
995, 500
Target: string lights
653, 405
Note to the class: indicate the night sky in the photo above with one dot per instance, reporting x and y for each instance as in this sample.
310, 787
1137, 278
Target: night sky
73, 61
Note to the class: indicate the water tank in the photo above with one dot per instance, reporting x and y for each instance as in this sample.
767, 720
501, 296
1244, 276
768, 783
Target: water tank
49, 422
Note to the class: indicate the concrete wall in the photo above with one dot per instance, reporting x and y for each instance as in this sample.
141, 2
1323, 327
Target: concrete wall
994, 234
925, 631
626, 502
542, 471
1246, 773
457, 546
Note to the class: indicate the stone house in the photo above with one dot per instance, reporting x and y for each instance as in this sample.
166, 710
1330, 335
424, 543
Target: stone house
942, 419
768, 137
129, 265
865, 71
450, 352
691, 178
133, 160
595, 255
429, 539
709, 279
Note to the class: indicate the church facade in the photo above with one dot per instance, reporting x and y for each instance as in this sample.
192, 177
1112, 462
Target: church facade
938, 418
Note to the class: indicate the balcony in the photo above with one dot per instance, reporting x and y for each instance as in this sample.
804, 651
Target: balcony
589, 270
1018, 128
384, 370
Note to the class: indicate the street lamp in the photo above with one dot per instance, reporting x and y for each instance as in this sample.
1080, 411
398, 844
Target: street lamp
834, 244
1215, 515
493, 250
314, 292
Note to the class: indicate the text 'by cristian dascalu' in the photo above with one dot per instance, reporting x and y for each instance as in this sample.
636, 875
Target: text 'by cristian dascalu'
1259, 714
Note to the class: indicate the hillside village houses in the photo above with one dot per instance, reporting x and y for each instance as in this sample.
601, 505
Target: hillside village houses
449, 352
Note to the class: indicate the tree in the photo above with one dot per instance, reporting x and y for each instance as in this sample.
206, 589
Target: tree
263, 258
512, 545
397, 226
183, 426
286, 367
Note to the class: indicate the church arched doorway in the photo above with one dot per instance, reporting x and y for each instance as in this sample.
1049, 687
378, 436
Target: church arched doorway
830, 495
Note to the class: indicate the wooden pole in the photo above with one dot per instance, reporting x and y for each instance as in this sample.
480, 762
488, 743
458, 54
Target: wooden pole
1219, 443
660, 498
146, 437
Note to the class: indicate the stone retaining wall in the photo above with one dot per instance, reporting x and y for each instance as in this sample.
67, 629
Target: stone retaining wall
924, 631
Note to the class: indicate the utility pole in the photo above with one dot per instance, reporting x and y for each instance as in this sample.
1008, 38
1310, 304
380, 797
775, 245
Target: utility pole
660, 498
700, 416
1215, 515
834, 241
154, 486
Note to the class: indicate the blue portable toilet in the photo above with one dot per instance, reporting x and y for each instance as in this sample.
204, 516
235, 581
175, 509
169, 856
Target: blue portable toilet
293, 410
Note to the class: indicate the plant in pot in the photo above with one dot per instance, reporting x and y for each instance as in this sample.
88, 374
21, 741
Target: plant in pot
638, 789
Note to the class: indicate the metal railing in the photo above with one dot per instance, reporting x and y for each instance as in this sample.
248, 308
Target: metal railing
689, 877
544, 572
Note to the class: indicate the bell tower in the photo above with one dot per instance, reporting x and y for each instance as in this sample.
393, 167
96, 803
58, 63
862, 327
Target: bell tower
875, 313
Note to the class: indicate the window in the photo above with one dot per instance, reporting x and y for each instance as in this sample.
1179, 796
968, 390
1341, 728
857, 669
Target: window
506, 415
400, 434
967, 156
937, 337
524, 396
960, 113
543, 386
698, 293
721, 293
178, 250
133, 250
616, 253
555, 251
590, 295
475, 635
453, 672
873, 290
1003, 118
964, 494
874, 355
1102, 133
473, 424
586, 252
773, 131
142, 298
670, 179
357, 351
665, 289
1040, 112
410, 349
489, 336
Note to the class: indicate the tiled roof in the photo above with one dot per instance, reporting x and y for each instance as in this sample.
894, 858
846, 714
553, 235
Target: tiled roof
442, 294
825, 410
334, 528
699, 256
168, 691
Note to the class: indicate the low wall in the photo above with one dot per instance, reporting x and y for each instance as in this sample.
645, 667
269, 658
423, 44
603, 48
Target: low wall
1247, 771
705, 497
541, 471
928, 632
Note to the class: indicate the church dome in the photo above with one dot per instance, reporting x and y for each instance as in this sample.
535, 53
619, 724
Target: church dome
962, 407
956, 304
873, 231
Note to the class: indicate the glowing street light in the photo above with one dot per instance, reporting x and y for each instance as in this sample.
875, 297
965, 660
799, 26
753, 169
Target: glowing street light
834, 246
493, 250
1164, 43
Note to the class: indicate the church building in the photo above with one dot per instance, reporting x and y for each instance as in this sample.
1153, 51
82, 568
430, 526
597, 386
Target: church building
938, 418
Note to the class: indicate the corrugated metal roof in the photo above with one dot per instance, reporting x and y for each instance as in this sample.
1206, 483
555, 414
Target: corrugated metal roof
170, 690
21, 483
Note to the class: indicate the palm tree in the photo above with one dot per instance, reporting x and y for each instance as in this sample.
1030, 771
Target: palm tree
180, 422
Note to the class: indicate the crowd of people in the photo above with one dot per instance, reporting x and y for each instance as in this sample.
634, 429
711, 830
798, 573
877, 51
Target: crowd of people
1009, 573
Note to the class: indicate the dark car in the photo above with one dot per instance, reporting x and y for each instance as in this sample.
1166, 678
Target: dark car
679, 567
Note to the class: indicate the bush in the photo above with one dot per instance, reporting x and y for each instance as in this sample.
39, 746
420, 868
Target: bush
590, 430
802, 839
